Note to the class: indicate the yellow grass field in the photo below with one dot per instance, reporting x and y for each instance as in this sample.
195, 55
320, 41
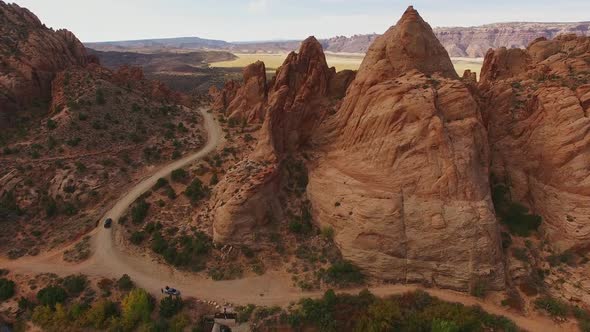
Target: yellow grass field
339, 60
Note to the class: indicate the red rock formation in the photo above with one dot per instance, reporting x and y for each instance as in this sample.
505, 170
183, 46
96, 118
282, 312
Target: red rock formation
403, 179
249, 100
31, 55
297, 100
220, 99
537, 105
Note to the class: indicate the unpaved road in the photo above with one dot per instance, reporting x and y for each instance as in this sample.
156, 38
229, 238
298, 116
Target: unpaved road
273, 288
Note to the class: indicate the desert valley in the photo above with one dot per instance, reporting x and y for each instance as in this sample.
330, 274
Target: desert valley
416, 180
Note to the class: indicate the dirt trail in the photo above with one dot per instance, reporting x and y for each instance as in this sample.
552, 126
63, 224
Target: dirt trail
272, 288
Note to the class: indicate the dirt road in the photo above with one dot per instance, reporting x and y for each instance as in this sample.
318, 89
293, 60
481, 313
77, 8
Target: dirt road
110, 260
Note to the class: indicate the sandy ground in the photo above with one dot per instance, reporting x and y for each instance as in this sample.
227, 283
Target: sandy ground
273, 288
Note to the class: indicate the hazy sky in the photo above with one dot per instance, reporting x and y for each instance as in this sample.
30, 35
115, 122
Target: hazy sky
246, 20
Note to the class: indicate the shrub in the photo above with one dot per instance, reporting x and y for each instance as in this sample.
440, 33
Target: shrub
554, 307
519, 221
139, 211
99, 314
51, 124
328, 233
179, 175
51, 295
479, 288
214, 179
170, 306
196, 191
137, 237
125, 283
6, 289
343, 273
161, 183
100, 98
75, 284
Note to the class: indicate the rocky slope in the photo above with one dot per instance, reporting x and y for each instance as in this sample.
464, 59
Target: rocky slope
537, 105
31, 55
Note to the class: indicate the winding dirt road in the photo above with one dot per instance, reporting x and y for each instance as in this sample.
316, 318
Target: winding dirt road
272, 288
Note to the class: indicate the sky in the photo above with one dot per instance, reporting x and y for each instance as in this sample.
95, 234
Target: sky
250, 20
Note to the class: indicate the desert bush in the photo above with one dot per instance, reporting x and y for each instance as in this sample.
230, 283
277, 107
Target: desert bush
479, 288
170, 306
196, 191
6, 289
100, 97
137, 238
179, 175
520, 254
51, 295
125, 283
554, 307
75, 284
343, 273
139, 211
51, 124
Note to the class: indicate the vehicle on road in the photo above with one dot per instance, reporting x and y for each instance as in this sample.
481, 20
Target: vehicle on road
108, 223
171, 291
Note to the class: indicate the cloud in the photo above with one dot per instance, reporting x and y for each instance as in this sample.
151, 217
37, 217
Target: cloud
258, 6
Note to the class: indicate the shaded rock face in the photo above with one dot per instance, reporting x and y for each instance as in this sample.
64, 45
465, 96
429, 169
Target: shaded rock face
403, 179
249, 101
297, 101
537, 105
30, 56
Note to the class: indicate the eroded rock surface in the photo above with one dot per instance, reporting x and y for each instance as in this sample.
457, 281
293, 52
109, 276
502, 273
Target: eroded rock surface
31, 56
404, 175
537, 105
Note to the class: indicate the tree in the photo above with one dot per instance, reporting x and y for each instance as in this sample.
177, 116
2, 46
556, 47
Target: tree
100, 313
6, 289
51, 295
125, 283
381, 316
170, 306
136, 307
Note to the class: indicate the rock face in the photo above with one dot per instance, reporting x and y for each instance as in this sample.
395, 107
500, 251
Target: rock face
537, 105
297, 101
30, 56
403, 179
250, 99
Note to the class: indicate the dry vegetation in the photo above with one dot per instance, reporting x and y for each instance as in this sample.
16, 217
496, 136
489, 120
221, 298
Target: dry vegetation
57, 179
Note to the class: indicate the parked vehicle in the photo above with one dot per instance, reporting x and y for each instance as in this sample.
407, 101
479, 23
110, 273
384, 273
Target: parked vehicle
171, 291
108, 223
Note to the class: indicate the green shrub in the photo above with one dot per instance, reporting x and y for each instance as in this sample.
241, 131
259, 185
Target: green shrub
343, 273
161, 183
100, 98
479, 288
51, 124
51, 295
140, 211
170, 306
75, 284
136, 307
125, 283
520, 254
519, 221
6, 289
196, 191
137, 238
554, 307
328, 233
